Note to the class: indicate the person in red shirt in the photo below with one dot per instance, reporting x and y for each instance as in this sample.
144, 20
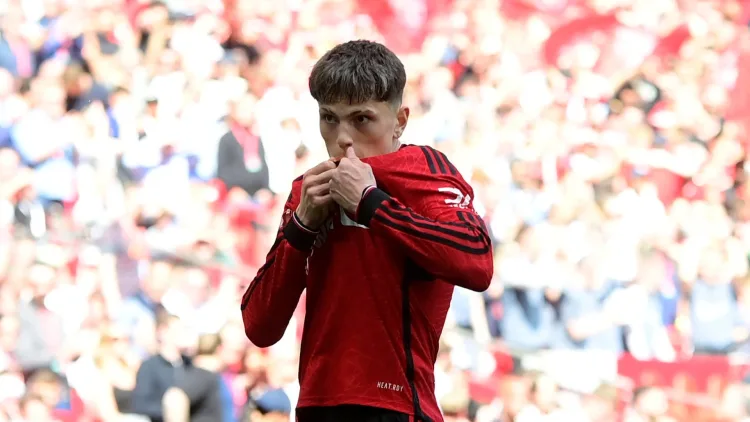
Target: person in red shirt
379, 236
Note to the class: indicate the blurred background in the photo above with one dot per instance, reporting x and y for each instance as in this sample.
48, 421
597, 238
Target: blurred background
147, 148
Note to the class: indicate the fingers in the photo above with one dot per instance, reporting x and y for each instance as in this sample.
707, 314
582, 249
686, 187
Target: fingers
350, 154
319, 190
316, 184
322, 200
311, 180
321, 168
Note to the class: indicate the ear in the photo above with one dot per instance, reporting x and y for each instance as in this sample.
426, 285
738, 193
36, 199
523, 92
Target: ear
402, 118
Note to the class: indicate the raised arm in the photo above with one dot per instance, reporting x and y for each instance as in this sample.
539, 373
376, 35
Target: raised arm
440, 232
270, 300
449, 242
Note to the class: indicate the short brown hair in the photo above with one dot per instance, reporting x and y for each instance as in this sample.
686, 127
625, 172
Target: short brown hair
357, 72
43, 377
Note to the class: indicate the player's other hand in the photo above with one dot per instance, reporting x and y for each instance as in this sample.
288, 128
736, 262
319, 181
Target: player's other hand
316, 201
350, 180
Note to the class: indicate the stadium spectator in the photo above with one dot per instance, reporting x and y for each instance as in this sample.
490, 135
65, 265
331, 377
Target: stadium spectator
200, 394
163, 370
139, 312
42, 335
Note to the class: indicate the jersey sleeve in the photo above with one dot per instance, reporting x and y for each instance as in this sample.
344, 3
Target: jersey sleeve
438, 229
272, 297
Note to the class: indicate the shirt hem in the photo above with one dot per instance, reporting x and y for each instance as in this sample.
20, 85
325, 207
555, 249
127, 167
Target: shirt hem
398, 406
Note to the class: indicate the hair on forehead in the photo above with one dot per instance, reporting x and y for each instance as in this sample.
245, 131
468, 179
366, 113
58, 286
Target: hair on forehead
356, 72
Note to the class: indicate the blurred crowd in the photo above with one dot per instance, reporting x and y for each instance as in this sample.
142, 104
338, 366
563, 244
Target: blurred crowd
147, 147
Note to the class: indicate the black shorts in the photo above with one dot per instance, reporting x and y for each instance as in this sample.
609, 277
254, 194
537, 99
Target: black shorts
350, 413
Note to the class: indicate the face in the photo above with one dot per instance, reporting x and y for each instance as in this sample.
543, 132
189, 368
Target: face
244, 110
158, 279
176, 334
371, 128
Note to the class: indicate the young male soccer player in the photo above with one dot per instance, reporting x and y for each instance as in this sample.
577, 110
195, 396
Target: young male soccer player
379, 238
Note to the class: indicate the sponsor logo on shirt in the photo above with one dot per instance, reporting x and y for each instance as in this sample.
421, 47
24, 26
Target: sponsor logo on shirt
388, 386
457, 198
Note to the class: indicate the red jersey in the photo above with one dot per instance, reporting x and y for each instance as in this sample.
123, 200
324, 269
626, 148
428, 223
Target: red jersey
379, 285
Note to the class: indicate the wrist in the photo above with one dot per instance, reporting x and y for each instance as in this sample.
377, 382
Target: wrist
298, 235
367, 190
372, 199
304, 222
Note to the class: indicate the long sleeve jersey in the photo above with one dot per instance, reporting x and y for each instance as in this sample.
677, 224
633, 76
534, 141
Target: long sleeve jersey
379, 284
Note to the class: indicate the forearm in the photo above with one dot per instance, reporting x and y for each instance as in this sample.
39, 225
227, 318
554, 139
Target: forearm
272, 297
458, 252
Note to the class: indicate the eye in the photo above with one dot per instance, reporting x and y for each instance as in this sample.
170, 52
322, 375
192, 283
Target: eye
361, 119
328, 118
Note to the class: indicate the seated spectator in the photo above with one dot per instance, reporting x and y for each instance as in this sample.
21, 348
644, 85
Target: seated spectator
647, 337
716, 325
44, 143
530, 316
106, 378
138, 313
163, 370
593, 316
201, 394
241, 161
41, 336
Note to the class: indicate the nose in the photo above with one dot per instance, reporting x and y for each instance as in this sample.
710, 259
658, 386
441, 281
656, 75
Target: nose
344, 139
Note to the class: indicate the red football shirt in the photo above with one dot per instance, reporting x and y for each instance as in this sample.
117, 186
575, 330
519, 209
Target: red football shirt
379, 285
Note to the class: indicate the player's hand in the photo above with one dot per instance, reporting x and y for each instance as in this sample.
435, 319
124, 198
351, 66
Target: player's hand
349, 181
316, 200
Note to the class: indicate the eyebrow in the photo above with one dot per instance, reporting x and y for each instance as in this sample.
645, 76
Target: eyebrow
353, 113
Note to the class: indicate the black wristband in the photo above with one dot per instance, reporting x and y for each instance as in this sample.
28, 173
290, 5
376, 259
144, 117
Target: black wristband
298, 235
368, 206
301, 224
